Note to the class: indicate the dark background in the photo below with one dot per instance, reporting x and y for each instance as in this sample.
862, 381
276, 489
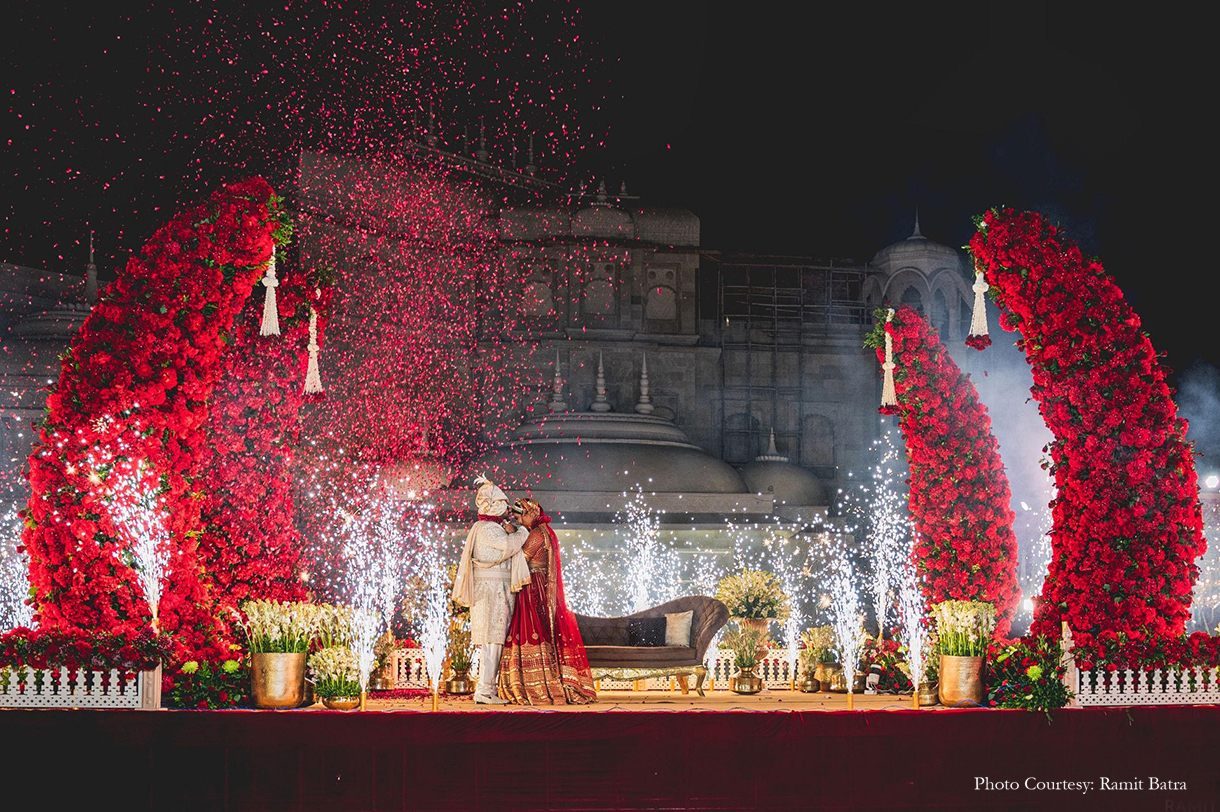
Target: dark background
815, 131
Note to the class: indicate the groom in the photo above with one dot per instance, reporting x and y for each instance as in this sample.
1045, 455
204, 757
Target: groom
491, 568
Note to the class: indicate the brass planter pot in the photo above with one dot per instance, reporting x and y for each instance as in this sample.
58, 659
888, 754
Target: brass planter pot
824, 673
343, 703
460, 684
838, 682
746, 683
961, 680
928, 694
277, 680
809, 684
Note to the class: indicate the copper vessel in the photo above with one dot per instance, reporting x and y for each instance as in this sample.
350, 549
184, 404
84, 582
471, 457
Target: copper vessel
746, 683
961, 680
277, 680
342, 703
928, 694
460, 684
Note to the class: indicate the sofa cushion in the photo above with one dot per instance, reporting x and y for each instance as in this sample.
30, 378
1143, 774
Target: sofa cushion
677, 628
640, 656
602, 631
646, 631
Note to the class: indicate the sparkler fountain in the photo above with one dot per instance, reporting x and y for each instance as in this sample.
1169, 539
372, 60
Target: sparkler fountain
890, 530
14, 576
914, 631
848, 621
139, 517
374, 548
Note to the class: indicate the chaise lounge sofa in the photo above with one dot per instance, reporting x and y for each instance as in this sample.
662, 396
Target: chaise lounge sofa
606, 642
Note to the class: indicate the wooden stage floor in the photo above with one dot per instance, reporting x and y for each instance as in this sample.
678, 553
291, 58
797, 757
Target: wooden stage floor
723, 700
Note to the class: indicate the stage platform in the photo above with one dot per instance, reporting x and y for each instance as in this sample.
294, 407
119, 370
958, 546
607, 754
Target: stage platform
778, 750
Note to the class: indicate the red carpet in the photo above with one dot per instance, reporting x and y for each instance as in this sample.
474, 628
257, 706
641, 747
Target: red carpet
310, 760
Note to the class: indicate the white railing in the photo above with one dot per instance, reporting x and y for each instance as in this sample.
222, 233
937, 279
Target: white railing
1099, 687
79, 688
773, 669
410, 670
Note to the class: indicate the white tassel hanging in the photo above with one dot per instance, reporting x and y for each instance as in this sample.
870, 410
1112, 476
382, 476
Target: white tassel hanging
978, 337
889, 396
313, 376
271, 311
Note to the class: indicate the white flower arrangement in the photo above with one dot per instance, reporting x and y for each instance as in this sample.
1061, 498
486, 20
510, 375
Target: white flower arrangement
275, 627
753, 594
334, 671
964, 627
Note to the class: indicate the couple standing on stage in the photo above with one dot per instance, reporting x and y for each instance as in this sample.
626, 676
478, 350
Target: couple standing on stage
530, 649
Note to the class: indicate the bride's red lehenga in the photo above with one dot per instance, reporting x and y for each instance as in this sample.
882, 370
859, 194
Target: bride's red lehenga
544, 660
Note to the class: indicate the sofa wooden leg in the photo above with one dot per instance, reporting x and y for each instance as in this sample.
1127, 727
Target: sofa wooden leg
681, 678
700, 674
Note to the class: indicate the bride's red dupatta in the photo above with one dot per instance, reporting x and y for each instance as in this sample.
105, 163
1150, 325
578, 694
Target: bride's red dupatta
569, 645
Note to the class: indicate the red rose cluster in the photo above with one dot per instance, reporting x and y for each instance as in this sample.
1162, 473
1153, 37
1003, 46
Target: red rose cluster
1127, 520
135, 388
250, 544
72, 648
965, 549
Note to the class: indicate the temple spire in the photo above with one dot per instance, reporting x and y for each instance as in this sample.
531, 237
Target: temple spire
600, 402
558, 404
644, 404
91, 274
772, 454
917, 232
482, 152
530, 167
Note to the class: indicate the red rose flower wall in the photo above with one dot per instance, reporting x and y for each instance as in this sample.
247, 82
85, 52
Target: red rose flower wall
1127, 520
137, 387
959, 495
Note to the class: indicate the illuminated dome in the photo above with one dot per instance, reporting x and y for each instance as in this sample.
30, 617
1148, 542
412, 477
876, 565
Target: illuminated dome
606, 452
771, 474
916, 252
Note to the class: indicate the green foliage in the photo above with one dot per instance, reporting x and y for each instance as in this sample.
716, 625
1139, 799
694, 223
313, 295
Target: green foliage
744, 643
203, 685
876, 336
1027, 675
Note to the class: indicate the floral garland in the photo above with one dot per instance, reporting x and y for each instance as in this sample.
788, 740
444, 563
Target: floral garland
135, 388
965, 547
1127, 520
72, 648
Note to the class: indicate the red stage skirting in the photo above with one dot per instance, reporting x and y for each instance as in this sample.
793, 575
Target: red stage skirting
243, 760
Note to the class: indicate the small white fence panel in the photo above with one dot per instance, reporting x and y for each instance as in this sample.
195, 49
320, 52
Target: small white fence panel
79, 688
1125, 687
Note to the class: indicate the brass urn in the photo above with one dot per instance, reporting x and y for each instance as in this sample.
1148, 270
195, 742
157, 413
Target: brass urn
809, 684
746, 683
343, 703
460, 684
928, 694
277, 679
961, 680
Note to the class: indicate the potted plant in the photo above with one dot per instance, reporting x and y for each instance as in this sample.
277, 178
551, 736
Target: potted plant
384, 676
817, 657
753, 598
335, 677
964, 629
929, 690
745, 643
278, 637
460, 683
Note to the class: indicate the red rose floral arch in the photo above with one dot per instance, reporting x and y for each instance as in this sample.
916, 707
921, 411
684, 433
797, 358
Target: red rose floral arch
1127, 519
169, 378
959, 495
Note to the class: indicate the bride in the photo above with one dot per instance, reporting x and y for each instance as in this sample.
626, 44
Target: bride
544, 660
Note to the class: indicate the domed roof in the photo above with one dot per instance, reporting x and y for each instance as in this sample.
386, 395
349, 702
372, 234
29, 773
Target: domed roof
789, 484
916, 251
606, 452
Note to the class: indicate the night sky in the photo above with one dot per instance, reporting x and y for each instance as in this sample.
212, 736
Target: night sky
815, 134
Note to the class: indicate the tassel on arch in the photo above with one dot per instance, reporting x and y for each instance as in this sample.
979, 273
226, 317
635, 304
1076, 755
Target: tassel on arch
889, 394
313, 374
979, 338
271, 311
